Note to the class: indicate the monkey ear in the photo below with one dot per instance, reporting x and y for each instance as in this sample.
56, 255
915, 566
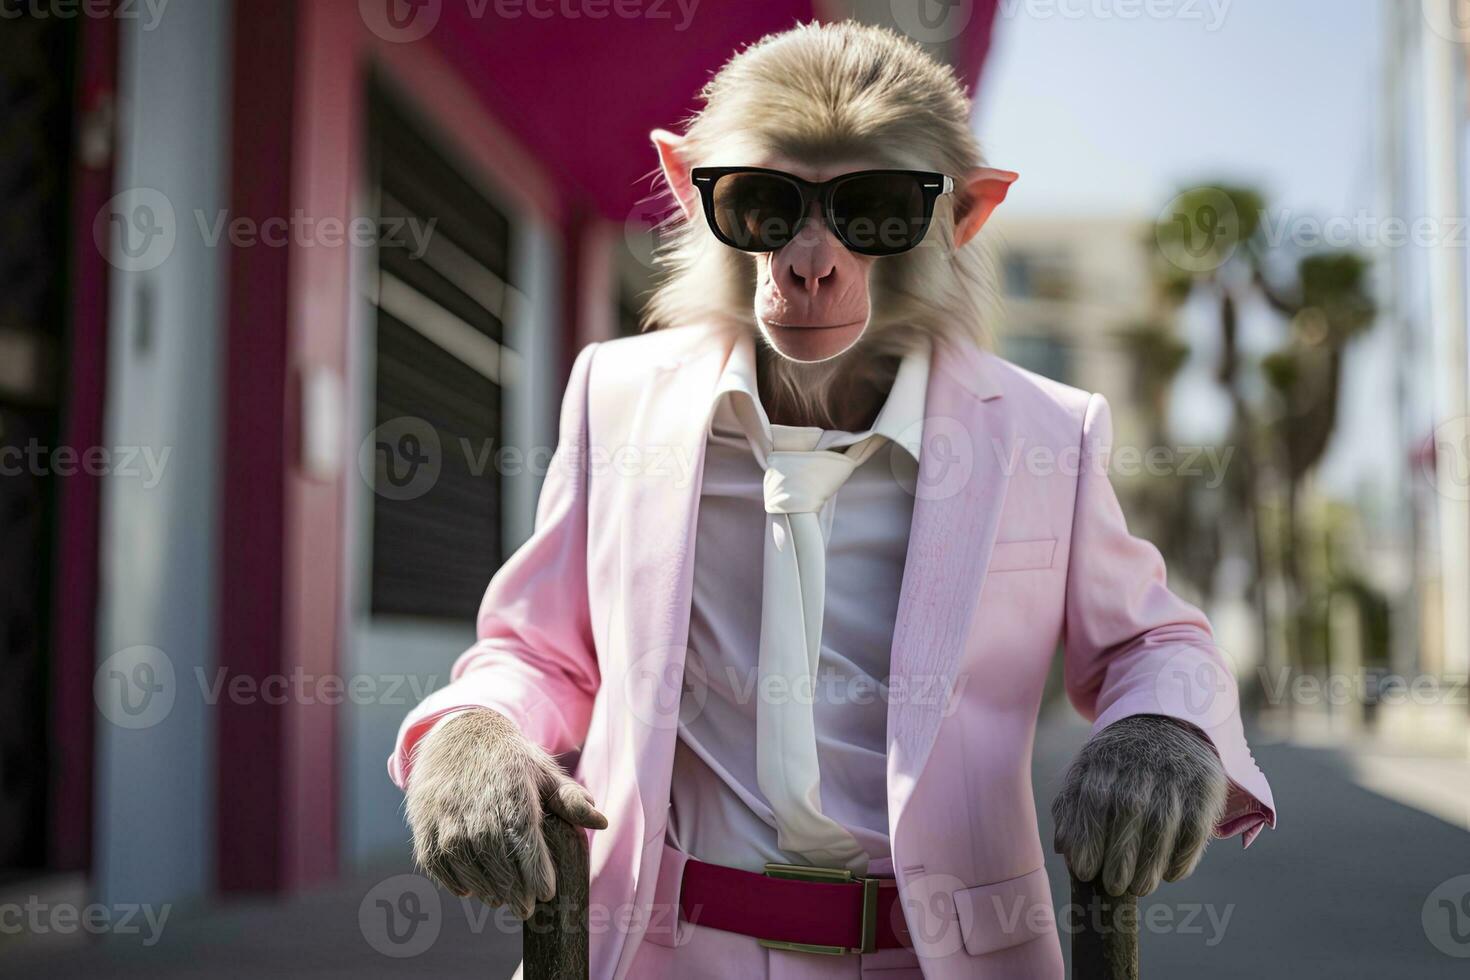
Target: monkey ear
985, 188
676, 169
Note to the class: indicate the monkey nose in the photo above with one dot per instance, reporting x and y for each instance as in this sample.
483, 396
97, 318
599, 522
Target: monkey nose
811, 267
811, 258
812, 277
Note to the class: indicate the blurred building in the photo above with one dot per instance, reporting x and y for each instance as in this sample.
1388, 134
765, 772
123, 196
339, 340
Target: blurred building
1424, 167
1072, 287
292, 293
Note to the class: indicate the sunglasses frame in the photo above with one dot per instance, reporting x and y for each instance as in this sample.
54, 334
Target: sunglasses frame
933, 185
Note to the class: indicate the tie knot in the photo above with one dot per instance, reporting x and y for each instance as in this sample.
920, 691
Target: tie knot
801, 482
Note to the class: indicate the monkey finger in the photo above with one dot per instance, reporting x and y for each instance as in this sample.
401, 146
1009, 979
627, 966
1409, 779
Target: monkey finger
537, 873
574, 805
494, 870
425, 845
1130, 803
450, 877
497, 890
470, 869
1189, 847
1093, 820
510, 856
1194, 834
1156, 849
1087, 849
430, 857
440, 869
1071, 833
485, 886
523, 900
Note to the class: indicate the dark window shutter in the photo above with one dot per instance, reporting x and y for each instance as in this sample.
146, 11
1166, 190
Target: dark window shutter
436, 544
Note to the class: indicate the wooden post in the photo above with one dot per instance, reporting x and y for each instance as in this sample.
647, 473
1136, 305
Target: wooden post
555, 937
1104, 934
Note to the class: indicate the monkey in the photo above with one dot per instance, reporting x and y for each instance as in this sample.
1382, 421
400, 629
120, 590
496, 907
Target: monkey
826, 202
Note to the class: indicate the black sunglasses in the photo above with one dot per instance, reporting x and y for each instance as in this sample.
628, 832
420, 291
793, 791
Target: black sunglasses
872, 212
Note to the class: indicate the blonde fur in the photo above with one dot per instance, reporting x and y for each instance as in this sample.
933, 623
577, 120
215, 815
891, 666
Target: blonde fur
830, 92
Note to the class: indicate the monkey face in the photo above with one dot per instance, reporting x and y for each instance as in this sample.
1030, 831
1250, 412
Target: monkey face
813, 296
861, 257
820, 103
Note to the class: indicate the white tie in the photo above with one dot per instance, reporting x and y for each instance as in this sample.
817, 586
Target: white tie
797, 484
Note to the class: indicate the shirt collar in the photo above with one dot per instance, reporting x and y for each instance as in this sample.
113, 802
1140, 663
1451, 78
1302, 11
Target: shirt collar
900, 420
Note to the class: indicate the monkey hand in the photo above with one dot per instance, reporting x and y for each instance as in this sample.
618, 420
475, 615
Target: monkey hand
1139, 803
475, 799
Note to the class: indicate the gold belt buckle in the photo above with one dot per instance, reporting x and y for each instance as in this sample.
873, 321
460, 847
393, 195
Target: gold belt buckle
801, 872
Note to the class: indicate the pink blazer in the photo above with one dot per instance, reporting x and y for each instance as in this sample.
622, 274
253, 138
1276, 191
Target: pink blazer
1017, 546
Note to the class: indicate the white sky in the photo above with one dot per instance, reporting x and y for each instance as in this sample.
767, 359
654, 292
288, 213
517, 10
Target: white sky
1110, 115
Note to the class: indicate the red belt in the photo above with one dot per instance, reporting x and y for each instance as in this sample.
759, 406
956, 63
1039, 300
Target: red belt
810, 910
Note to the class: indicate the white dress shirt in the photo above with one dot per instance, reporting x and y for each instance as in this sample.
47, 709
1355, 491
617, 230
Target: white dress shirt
718, 813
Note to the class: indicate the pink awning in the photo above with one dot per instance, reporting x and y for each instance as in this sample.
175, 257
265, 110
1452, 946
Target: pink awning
582, 92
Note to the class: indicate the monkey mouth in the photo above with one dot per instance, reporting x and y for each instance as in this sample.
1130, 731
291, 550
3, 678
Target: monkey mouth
815, 326
813, 341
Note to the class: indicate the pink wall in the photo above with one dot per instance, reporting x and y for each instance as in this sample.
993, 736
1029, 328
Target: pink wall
255, 767
301, 75
74, 615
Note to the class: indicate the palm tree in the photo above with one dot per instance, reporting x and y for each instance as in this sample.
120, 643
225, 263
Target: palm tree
1327, 307
1209, 242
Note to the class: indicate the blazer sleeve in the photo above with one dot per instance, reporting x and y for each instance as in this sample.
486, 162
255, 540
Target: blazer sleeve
534, 660
1132, 647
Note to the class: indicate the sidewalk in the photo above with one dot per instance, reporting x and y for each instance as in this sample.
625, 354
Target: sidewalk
1431, 777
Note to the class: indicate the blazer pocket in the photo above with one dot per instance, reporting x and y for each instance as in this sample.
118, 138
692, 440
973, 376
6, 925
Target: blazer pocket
1005, 914
1021, 556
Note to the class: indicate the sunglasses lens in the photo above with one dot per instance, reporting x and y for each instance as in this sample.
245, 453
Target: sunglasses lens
881, 214
757, 212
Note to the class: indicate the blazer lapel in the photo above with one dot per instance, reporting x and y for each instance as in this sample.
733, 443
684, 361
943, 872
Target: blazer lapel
649, 623
658, 561
961, 489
